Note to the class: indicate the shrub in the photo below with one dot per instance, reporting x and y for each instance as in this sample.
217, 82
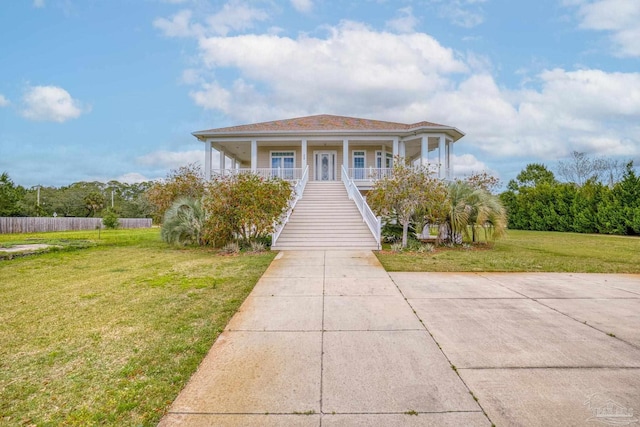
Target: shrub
427, 248
414, 245
396, 247
257, 247
186, 181
471, 209
245, 207
184, 222
110, 220
407, 192
230, 248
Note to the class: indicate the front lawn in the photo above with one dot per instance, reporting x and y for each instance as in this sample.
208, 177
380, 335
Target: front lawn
109, 331
528, 251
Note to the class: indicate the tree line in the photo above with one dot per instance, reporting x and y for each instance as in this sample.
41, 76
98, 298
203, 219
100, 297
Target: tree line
80, 199
591, 196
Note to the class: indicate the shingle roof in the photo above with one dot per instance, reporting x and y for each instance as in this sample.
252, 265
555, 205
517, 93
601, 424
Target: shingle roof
322, 122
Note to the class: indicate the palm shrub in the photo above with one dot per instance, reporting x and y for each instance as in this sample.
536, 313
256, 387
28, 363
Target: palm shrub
184, 222
470, 209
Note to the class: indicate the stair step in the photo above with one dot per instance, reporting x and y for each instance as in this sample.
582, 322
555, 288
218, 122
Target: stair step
325, 218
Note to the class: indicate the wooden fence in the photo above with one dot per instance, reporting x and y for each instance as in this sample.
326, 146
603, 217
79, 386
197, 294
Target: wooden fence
41, 224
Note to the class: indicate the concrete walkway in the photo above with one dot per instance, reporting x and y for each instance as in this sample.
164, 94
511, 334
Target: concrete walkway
331, 339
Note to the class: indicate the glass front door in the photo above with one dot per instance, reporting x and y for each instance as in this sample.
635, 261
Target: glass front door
325, 166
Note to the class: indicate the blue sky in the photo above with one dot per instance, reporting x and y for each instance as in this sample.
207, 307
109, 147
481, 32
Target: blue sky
101, 90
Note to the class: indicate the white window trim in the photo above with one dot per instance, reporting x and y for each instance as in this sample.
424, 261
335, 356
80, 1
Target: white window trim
383, 164
282, 151
353, 158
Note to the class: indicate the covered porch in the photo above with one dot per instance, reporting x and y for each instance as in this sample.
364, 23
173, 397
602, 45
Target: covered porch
365, 160
325, 144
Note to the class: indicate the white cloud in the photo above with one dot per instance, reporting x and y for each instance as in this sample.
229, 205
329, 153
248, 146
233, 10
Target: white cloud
585, 110
50, 103
463, 13
171, 159
236, 15
3, 101
303, 6
405, 22
38, 3
179, 25
354, 69
191, 76
212, 96
618, 17
132, 178
468, 164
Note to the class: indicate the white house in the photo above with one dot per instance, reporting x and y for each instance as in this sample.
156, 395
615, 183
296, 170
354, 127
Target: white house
325, 143
318, 150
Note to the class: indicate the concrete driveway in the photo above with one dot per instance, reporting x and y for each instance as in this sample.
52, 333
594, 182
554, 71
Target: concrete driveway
331, 339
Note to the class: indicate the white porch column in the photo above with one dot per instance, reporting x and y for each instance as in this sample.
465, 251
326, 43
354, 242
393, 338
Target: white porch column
222, 156
403, 150
396, 148
234, 164
208, 150
441, 157
303, 157
424, 151
449, 157
345, 153
254, 154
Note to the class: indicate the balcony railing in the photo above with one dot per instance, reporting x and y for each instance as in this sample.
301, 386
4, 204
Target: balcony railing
290, 174
369, 174
295, 174
374, 174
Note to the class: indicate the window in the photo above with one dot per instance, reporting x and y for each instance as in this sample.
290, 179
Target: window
388, 164
282, 164
359, 164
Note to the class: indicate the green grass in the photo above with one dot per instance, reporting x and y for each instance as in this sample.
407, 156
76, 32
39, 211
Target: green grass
528, 251
109, 331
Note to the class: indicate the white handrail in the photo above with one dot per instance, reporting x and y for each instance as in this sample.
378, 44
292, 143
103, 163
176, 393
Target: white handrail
373, 222
298, 190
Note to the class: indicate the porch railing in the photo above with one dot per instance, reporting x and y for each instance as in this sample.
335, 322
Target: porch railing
298, 190
373, 222
290, 174
369, 174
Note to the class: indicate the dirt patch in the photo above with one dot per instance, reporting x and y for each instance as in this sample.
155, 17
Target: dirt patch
26, 248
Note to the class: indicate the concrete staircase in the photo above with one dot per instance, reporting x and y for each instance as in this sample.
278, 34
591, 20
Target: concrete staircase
325, 219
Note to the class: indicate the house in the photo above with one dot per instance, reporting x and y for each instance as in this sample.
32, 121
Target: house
325, 143
328, 151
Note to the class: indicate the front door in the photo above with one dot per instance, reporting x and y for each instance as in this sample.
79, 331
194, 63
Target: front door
325, 165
